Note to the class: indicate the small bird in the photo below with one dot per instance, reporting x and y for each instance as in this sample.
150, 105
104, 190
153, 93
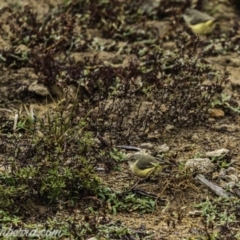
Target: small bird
200, 23
143, 165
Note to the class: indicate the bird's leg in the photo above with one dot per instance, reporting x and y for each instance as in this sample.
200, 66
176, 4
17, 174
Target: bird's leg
139, 181
134, 185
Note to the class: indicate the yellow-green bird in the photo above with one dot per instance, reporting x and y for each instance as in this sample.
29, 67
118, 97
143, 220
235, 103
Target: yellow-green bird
199, 22
143, 165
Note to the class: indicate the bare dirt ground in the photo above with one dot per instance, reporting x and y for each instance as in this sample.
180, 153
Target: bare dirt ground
98, 44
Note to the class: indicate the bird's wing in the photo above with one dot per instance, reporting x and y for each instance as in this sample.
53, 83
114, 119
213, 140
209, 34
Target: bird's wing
200, 18
147, 164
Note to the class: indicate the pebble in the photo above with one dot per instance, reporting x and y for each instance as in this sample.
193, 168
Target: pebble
38, 88
211, 120
146, 145
169, 127
199, 165
195, 138
217, 153
207, 83
216, 113
225, 127
231, 178
231, 170
162, 148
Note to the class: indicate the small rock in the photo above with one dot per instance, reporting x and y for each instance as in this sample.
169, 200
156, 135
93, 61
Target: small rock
231, 170
100, 169
154, 136
195, 213
217, 153
225, 127
5, 168
2, 169
195, 138
40, 134
38, 88
146, 145
216, 113
23, 48
162, 148
231, 178
169, 127
211, 120
164, 108
207, 83
199, 165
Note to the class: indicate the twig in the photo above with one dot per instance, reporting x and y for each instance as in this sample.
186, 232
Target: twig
216, 189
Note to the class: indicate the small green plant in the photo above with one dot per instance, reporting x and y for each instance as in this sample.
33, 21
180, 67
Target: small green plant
221, 213
117, 155
128, 202
224, 102
222, 161
24, 120
52, 166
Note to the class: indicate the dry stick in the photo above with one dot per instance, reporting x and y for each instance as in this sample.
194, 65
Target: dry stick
216, 189
144, 193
